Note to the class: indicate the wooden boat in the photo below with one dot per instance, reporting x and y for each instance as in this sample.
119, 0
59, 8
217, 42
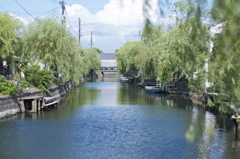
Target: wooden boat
154, 89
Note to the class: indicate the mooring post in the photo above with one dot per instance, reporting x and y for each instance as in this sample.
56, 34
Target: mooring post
22, 107
34, 107
39, 106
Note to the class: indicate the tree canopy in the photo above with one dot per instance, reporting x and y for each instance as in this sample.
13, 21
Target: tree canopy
48, 41
185, 48
226, 51
9, 33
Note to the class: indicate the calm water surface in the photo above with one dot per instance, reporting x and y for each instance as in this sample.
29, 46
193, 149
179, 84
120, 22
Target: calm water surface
112, 120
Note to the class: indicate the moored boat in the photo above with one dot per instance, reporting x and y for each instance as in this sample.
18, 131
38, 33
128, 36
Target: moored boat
154, 89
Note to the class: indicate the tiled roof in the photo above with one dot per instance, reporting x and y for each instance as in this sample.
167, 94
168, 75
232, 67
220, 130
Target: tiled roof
107, 56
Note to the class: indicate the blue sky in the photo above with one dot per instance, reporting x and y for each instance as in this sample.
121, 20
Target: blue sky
112, 22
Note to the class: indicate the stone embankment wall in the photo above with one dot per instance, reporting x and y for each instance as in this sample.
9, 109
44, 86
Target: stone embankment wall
61, 90
10, 105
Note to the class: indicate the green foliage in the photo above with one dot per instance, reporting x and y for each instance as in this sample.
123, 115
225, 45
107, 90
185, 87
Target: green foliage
131, 57
182, 50
24, 83
9, 31
91, 60
7, 87
225, 64
48, 41
16, 77
42, 40
97, 50
38, 78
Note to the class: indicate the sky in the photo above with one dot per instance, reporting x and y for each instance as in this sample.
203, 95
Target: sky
110, 23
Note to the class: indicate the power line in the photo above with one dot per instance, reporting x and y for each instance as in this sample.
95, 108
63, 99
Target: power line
85, 40
24, 9
69, 21
52, 10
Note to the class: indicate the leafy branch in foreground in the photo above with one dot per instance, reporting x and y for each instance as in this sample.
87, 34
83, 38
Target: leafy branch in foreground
9, 27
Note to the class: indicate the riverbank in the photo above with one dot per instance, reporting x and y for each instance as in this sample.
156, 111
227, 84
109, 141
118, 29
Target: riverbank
10, 105
200, 97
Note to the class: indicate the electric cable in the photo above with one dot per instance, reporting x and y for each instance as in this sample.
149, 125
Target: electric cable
25, 9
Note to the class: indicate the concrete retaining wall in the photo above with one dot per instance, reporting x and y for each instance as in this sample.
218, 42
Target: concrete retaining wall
10, 105
61, 90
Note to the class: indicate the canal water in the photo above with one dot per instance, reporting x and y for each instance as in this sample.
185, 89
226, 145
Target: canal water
112, 120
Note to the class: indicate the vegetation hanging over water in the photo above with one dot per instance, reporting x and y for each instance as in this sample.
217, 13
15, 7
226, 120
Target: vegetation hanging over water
48, 42
226, 52
185, 48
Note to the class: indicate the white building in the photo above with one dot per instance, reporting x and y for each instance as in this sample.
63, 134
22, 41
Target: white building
108, 61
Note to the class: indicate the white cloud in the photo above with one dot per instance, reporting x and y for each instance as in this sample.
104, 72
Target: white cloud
125, 12
24, 21
114, 24
120, 21
77, 11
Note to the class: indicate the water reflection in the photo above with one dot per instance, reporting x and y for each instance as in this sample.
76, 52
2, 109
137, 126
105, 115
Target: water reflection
109, 119
212, 133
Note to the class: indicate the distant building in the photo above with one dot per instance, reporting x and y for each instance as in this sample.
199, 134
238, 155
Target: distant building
108, 61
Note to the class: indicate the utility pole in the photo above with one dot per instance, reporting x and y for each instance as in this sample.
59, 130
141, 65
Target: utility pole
62, 3
63, 6
79, 36
91, 39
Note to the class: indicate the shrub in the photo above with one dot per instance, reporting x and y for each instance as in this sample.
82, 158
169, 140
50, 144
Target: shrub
24, 83
7, 87
38, 78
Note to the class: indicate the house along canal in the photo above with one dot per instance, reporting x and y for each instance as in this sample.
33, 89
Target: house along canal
113, 120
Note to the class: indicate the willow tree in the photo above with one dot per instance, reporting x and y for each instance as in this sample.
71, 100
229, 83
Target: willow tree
48, 41
181, 50
129, 57
91, 59
225, 64
150, 37
165, 60
44, 40
194, 50
9, 33
71, 63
